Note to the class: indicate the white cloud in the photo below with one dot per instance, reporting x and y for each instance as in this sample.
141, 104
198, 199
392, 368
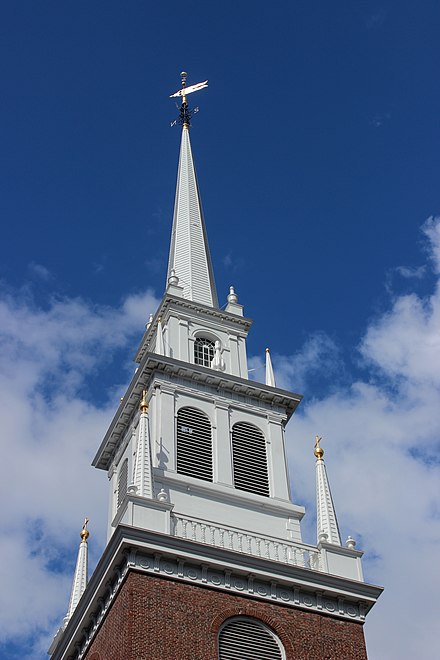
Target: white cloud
39, 271
411, 273
381, 438
49, 437
382, 442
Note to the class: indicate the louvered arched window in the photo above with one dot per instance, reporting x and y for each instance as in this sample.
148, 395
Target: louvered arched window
194, 444
248, 639
203, 351
249, 459
122, 481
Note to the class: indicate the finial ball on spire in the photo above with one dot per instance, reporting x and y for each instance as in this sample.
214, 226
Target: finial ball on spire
143, 407
84, 534
319, 452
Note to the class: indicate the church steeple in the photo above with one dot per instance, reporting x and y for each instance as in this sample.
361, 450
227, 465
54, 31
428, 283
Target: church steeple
189, 251
199, 497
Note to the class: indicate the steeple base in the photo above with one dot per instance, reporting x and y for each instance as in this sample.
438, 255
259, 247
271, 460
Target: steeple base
158, 596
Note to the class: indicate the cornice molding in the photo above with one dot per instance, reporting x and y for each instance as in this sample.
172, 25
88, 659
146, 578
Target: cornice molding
194, 310
189, 562
153, 364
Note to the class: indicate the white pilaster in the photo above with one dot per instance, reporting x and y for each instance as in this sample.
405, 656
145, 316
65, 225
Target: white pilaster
159, 339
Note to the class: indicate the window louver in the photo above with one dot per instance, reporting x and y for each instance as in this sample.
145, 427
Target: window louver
245, 639
203, 351
194, 444
122, 481
249, 459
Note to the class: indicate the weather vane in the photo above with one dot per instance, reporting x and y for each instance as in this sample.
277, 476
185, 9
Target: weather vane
185, 112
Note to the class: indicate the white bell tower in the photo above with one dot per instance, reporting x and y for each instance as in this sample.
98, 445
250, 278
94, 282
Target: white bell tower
216, 438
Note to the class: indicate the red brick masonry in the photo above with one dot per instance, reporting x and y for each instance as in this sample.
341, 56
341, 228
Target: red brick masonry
158, 619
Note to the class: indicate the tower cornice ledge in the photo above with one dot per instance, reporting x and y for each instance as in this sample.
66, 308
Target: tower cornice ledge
172, 302
162, 556
152, 364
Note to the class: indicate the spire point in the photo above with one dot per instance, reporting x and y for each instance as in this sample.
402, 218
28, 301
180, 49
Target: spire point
319, 452
84, 534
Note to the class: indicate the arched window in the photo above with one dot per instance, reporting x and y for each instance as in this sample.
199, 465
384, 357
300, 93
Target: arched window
194, 444
248, 639
122, 481
249, 459
203, 351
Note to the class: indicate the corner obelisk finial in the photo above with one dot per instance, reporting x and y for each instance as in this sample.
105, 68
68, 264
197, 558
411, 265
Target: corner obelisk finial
81, 575
326, 523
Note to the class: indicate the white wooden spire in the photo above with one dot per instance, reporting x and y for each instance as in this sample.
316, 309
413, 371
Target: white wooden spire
80, 578
326, 522
189, 252
142, 473
270, 376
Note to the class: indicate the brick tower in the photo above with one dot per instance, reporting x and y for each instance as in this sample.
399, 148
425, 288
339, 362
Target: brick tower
205, 558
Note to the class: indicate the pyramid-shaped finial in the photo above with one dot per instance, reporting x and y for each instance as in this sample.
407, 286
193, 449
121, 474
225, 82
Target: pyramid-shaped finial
326, 522
270, 376
81, 577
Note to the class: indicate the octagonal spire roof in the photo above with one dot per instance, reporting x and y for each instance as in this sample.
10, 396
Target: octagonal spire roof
189, 251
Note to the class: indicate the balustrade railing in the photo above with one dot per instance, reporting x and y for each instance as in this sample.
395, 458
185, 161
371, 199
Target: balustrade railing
258, 545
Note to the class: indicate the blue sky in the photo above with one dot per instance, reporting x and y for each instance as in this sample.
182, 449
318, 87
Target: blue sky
316, 147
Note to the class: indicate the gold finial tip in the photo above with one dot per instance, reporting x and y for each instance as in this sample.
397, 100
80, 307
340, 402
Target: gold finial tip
319, 452
267, 350
84, 533
143, 407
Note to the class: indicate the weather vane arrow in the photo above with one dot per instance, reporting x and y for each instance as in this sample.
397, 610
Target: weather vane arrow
186, 113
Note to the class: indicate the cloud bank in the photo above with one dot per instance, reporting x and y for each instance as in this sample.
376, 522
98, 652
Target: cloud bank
381, 438
382, 442
49, 436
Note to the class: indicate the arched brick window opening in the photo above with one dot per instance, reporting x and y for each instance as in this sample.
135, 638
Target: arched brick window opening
245, 638
194, 444
249, 459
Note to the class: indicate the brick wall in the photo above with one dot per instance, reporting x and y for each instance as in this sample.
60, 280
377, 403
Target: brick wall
158, 619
